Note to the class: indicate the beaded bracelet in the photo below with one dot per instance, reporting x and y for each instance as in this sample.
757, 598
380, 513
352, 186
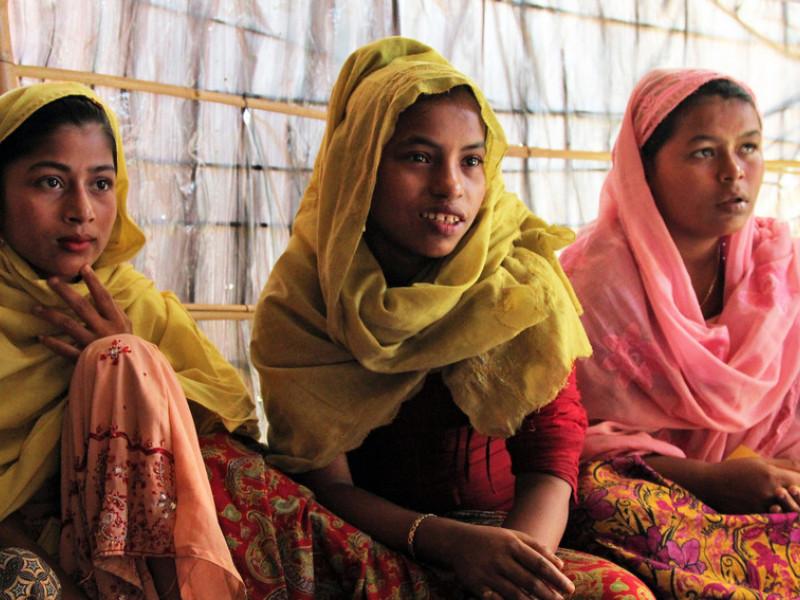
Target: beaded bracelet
412, 532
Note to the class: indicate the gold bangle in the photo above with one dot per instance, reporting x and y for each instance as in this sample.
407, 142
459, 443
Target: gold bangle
412, 532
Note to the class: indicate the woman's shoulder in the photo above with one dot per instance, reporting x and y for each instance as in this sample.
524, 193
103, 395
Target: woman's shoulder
597, 247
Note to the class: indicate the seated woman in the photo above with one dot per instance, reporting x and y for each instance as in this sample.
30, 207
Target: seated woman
693, 309
98, 365
416, 343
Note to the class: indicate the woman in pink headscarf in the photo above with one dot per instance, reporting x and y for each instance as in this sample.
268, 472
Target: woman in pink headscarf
692, 305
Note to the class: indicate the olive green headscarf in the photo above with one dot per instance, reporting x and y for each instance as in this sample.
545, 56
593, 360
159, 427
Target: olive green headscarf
338, 351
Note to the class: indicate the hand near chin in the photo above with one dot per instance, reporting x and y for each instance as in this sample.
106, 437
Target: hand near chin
98, 315
492, 562
755, 485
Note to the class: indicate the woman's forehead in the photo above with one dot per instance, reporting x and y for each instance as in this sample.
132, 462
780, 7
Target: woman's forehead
419, 114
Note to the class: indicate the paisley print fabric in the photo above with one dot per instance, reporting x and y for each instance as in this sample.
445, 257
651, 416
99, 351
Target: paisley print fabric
287, 546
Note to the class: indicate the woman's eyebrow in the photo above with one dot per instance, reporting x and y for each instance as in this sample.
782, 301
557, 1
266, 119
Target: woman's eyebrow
52, 164
707, 137
421, 140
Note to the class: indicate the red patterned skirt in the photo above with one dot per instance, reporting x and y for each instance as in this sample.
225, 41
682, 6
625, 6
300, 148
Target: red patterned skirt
286, 545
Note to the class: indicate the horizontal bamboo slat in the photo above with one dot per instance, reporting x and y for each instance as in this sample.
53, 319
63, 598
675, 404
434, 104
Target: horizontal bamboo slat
221, 312
153, 87
242, 101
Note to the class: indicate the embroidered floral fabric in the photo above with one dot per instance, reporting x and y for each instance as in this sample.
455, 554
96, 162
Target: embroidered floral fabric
679, 546
129, 453
286, 545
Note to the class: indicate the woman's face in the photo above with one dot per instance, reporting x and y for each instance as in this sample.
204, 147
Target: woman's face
430, 182
58, 203
705, 178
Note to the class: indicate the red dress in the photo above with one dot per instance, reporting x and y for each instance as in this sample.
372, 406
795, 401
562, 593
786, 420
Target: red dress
440, 464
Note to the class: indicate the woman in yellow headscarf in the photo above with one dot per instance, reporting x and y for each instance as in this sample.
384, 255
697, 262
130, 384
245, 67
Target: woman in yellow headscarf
99, 364
415, 344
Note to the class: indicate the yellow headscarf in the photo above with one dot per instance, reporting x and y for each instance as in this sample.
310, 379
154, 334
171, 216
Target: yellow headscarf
34, 381
339, 352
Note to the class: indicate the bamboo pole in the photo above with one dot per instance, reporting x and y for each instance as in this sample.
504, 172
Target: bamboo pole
8, 78
781, 166
792, 52
241, 101
165, 89
221, 312
536, 152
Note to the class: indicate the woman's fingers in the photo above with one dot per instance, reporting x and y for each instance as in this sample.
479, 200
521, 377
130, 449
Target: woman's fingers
103, 300
75, 329
96, 318
543, 570
525, 584
80, 305
788, 501
60, 347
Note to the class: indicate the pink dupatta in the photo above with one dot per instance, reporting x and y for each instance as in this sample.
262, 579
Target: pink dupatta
662, 379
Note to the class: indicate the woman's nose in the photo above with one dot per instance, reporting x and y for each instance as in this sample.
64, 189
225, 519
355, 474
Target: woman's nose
78, 207
730, 169
447, 183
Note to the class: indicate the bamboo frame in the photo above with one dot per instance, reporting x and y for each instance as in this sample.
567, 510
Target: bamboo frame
8, 77
781, 166
288, 108
790, 52
165, 89
221, 312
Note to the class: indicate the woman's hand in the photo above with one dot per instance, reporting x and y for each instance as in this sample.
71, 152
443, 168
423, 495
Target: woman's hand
755, 485
99, 317
737, 486
493, 562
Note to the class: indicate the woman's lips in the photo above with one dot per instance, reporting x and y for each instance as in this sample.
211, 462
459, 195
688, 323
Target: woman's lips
736, 205
441, 217
444, 223
75, 243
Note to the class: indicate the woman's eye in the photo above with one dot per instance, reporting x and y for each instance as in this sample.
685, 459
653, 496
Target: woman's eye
50, 182
703, 153
104, 185
418, 157
473, 161
749, 148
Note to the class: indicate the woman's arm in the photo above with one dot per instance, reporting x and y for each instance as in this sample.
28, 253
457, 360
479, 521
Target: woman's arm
541, 508
385, 521
483, 558
545, 454
738, 486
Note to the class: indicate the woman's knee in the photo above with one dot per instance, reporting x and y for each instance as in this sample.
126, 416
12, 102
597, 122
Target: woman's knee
125, 367
113, 348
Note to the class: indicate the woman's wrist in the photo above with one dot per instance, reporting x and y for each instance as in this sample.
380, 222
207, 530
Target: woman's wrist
412, 533
434, 539
697, 476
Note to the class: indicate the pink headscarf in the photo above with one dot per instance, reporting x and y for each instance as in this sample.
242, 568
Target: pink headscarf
662, 379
